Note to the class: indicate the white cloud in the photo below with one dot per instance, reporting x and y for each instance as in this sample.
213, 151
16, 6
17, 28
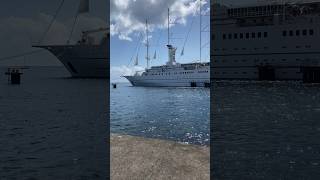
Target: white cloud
129, 16
118, 71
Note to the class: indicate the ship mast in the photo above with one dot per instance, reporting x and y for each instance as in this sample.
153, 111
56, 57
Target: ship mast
171, 49
147, 44
168, 26
200, 30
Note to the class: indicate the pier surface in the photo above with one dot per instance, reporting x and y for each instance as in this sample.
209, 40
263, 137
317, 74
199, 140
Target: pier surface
144, 158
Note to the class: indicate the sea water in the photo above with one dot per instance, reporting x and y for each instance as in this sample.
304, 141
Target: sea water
266, 130
53, 126
176, 114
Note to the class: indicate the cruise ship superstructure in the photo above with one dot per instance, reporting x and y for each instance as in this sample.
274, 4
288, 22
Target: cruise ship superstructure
272, 41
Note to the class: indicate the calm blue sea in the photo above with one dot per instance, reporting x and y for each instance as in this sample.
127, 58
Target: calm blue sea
266, 131
179, 114
52, 126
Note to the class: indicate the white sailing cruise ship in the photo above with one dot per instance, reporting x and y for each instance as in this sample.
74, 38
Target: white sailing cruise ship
173, 74
88, 58
269, 41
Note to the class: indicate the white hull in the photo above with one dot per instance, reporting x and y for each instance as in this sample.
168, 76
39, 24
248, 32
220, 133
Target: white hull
83, 61
140, 81
185, 75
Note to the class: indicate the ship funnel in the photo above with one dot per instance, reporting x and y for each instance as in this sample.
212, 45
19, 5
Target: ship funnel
172, 55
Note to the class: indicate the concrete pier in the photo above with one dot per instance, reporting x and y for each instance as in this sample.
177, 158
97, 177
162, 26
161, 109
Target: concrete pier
142, 158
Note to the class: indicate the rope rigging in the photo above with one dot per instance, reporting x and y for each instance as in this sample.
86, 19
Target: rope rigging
41, 39
52, 21
21, 55
187, 36
73, 27
157, 45
137, 49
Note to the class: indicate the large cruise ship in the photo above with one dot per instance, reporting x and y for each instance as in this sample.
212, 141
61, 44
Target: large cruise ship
270, 41
172, 74
87, 58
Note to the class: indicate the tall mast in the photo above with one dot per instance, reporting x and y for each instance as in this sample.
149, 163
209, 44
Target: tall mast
168, 26
171, 49
147, 34
200, 30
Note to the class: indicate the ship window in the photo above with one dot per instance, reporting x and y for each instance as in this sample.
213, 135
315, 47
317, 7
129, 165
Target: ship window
304, 32
291, 33
224, 36
247, 35
244, 72
265, 34
235, 36
253, 35
259, 34
284, 33
241, 35
297, 32
311, 32
230, 36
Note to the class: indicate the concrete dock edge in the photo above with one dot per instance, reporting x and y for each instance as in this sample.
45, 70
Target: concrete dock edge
143, 158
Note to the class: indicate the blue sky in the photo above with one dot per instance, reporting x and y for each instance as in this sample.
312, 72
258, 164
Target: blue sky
122, 49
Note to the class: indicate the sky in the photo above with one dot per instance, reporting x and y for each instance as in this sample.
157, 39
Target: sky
22, 24
127, 23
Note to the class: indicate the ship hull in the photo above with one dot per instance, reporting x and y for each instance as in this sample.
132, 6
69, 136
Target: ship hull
82, 61
172, 82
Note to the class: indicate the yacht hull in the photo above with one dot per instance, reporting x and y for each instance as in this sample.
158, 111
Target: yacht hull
169, 82
82, 61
